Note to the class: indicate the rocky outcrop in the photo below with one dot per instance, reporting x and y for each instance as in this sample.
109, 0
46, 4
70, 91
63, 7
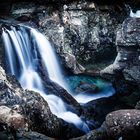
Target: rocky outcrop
127, 62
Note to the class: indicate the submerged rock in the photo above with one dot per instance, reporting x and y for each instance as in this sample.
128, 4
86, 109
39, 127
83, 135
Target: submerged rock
87, 88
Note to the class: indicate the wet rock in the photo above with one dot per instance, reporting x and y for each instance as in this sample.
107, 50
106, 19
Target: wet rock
99, 134
29, 104
87, 88
24, 18
80, 31
34, 109
95, 111
126, 64
11, 117
72, 64
123, 123
23, 135
6, 132
57, 90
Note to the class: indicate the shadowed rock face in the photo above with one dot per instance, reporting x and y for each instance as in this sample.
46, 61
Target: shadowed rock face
6, 5
127, 61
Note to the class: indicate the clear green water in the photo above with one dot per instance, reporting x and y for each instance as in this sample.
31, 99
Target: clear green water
84, 95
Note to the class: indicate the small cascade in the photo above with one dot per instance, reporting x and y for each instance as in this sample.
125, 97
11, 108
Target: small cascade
23, 46
49, 58
135, 15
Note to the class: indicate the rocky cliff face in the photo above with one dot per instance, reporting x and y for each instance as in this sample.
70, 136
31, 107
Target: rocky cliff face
80, 31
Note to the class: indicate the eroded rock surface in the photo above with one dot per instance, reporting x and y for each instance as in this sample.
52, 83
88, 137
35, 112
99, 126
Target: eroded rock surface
127, 61
82, 31
123, 123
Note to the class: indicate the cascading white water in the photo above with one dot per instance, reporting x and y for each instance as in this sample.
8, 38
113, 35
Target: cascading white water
23, 45
135, 15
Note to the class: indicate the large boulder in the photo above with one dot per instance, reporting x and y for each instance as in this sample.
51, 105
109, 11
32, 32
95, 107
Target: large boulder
121, 124
124, 124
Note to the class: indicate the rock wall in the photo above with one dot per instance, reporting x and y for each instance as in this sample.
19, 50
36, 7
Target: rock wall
82, 30
127, 61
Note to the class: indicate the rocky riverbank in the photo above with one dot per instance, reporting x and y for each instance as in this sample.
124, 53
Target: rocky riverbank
90, 37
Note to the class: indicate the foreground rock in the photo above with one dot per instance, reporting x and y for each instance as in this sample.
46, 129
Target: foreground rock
124, 124
23, 108
8, 133
11, 117
31, 136
28, 104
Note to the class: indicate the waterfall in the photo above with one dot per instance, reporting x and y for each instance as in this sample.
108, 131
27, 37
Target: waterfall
23, 46
49, 58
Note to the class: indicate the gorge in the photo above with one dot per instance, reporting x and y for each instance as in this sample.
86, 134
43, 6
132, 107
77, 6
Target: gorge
69, 70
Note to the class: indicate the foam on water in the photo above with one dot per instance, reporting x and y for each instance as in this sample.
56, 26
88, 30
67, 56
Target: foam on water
135, 15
